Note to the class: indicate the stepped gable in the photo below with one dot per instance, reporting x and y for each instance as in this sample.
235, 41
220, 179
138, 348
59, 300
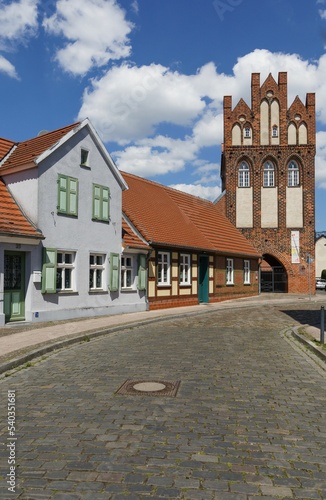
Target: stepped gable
12, 220
26, 152
170, 217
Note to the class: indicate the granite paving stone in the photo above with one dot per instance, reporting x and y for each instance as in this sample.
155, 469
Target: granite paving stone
248, 421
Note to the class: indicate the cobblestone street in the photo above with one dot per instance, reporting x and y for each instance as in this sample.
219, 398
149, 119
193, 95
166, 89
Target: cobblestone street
248, 420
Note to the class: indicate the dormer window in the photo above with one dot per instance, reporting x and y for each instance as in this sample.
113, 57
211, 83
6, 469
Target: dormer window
275, 131
84, 154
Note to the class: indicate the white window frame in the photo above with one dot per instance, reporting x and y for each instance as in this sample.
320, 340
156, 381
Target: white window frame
229, 272
66, 269
244, 175
293, 174
127, 268
275, 131
246, 272
185, 269
269, 174
247, 132
163, 269
84, 157
96, 268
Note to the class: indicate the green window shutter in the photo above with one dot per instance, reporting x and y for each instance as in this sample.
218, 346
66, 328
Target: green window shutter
73, 196
67, 195
105, 203
96, 202
62, 193
142, 274
49, 270
101, 203
114, 272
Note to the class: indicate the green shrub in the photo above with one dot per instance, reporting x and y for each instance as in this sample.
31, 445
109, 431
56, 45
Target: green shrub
323, 274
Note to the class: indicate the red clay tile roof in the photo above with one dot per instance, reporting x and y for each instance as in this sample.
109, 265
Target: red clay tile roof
5, 147
12, 220
130, 238
26, 152
165, 216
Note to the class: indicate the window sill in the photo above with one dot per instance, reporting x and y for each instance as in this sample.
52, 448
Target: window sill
98, 292
229, 284
83, 165
128, 290
67, 292
164, 285
106, 221
185, 285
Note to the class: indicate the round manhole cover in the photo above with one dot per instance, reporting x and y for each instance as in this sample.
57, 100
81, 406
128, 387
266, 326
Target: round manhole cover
149, 386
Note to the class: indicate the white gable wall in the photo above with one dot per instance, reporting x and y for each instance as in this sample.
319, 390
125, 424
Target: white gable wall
80, 235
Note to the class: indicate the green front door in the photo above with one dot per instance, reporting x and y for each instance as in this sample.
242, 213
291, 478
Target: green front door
203, 295
14, 286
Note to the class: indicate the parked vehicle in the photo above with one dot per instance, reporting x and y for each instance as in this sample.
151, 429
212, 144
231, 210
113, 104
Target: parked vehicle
320, 284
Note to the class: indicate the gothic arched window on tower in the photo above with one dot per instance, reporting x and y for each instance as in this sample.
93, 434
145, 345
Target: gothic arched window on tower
244, 175
293, 174
269, 174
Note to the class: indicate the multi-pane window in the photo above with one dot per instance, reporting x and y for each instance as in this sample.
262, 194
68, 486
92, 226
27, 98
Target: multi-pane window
101, 203
127, 273
96, 271
246, 272
274, 131
67, 195
163, 268
229, 272
185, 269
269, 174
244, 175
293, 174
247, 132
65, 270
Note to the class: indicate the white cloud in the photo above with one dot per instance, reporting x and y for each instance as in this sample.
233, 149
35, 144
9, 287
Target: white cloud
208, 192
18, 20
129, 104
7, 67
157, 156
129, 101
96, 31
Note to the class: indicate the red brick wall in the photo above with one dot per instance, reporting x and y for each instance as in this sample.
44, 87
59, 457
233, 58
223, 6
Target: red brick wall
276, 242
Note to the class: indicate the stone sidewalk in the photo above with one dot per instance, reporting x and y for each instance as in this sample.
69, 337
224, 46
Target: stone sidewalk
248, 419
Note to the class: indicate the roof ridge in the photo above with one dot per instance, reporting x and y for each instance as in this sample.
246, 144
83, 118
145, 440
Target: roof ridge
167, 188
50, 132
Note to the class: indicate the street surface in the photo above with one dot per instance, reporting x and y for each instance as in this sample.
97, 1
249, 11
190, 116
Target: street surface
248, 420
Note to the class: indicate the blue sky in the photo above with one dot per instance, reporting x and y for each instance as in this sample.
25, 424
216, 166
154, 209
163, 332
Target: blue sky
151, 76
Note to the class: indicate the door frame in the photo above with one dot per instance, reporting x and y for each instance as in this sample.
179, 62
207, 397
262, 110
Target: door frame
203, 279
14, 309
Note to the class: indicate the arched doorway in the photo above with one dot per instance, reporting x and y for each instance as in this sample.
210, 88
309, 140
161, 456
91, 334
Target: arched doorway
273, 276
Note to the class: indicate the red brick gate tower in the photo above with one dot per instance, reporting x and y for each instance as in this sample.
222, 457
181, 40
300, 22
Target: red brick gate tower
268, 179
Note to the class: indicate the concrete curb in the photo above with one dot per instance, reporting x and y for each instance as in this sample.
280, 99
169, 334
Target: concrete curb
308, 343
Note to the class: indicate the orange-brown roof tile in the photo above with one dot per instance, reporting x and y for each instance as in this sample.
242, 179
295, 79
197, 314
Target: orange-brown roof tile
130, 239
12, 220
26, 152
5, 147
169, 217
